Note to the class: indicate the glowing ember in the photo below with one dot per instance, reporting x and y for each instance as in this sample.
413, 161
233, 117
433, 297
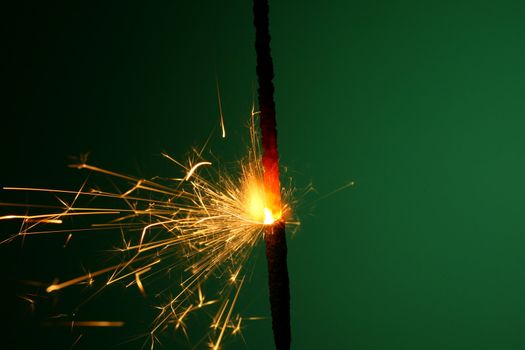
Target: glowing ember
256, 203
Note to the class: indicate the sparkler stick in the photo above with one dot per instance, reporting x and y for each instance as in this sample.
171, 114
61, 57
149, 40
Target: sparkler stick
275, 238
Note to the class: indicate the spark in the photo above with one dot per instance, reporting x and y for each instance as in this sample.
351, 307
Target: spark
223, 128
237, 327
85, 324
87, 277
139, 282
227, 319
76, 341
69, 236
31, 219
193, 168
30, 301
200, 225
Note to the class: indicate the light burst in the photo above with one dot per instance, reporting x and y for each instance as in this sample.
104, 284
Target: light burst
203, 224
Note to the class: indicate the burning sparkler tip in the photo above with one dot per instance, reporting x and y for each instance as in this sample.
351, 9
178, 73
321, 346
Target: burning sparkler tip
211, 219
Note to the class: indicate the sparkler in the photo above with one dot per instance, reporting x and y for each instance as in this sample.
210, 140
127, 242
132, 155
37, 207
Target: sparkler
204, 223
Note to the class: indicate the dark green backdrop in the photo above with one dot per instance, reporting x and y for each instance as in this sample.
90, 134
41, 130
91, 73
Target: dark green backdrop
421, 103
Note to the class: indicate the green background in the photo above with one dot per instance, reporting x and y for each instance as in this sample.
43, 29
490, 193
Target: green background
421, 103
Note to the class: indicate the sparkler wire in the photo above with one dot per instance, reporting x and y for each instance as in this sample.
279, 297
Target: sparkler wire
276, 249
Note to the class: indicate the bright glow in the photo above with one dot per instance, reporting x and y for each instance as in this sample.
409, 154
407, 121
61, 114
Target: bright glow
254, 199
257, 203
268, 217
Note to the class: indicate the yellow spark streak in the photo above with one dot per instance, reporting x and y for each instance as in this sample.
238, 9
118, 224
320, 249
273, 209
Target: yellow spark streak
137, 186
139, 282
85, 324
32, 218
46, 221
30, 301
67, 240
237, 328
227, 319
223, 129
218, 317
146, 229
233, 277
93, 193
193, 168
181, 318
31, 233
76, 341
155, 187
55, 287
201, 297
113, 280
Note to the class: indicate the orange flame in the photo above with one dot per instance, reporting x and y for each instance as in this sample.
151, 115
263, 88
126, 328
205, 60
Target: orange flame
259, 204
